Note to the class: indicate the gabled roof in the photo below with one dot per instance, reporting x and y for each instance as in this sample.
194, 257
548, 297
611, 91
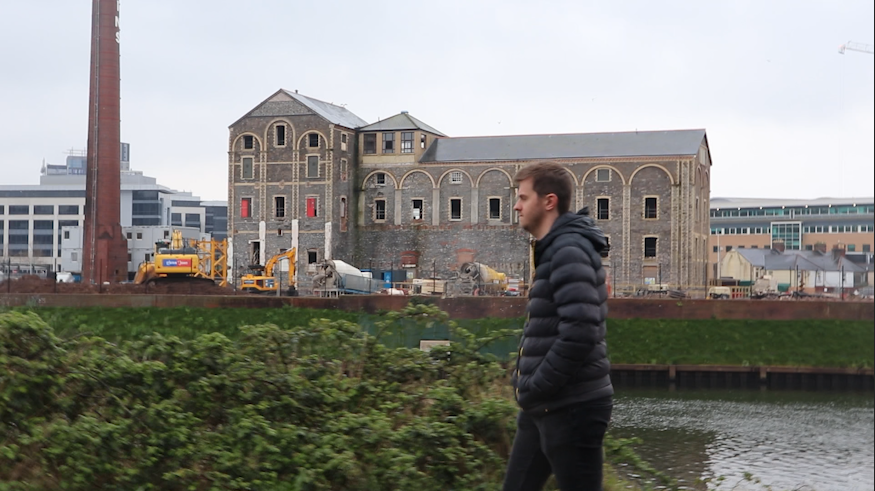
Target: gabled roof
399, 122
332, 113
563, 146
802, 260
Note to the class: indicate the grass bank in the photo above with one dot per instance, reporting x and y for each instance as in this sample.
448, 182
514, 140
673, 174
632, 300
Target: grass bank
816, 343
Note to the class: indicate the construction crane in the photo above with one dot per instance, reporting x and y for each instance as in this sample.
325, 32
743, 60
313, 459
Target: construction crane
852, 46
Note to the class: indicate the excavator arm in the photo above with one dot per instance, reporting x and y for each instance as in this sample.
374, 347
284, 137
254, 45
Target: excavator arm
271, 263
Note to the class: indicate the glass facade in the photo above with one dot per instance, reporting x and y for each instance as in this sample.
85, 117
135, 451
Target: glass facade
789, 232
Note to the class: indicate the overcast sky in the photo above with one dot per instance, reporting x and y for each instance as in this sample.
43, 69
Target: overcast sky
786, 115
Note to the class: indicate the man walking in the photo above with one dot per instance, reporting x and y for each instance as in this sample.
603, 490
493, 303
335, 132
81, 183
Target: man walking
562, 379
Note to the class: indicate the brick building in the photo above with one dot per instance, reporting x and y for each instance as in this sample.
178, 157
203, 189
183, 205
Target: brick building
400, 194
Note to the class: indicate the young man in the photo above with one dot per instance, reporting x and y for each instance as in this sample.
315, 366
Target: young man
562, 378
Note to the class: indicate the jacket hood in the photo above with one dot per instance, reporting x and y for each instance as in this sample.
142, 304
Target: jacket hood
579, 223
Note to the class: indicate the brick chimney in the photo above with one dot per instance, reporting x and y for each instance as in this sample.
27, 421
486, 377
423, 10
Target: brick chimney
820, 247
778, 245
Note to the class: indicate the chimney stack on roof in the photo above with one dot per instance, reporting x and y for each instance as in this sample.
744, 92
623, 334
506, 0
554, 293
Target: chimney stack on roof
838, 251
820, 247
778, 245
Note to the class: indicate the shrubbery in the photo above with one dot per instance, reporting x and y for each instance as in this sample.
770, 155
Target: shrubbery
302, 408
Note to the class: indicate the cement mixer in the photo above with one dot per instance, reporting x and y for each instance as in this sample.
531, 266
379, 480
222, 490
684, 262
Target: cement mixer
477, 279
338, 275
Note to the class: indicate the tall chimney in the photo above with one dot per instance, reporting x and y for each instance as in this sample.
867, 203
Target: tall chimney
820, 247
104, 247
778, 245
838, 251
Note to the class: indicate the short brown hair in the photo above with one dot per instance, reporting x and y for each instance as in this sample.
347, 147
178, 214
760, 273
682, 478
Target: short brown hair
549, 177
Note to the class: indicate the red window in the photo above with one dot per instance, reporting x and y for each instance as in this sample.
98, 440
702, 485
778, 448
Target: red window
311, 207
246, 208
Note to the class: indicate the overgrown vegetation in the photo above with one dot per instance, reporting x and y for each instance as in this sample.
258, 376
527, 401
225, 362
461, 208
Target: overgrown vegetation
666, 341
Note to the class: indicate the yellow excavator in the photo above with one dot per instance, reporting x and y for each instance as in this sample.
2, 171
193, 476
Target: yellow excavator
262, 280
172, 262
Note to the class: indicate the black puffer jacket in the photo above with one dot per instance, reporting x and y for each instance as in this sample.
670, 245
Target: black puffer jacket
563, 354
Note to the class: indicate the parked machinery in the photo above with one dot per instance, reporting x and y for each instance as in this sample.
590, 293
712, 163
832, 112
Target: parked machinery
262, 279
172, 262
477, 279
336, 276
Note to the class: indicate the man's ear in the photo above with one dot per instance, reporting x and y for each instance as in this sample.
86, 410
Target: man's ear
550, 202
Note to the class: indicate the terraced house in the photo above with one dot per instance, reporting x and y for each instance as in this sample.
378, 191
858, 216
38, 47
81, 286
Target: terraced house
399, 192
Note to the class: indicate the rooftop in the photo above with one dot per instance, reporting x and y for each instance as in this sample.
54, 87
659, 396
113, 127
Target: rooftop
564, 146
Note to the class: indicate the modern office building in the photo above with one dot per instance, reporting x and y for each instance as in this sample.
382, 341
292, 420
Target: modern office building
824, 223
32, 216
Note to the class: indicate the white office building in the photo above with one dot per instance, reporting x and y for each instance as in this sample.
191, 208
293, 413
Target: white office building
32, 217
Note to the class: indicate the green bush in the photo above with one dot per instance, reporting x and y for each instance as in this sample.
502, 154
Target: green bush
322, 406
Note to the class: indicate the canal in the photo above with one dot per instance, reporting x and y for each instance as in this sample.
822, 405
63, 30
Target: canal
819, 441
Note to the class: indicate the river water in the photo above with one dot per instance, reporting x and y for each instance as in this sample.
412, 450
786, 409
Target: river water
819, 441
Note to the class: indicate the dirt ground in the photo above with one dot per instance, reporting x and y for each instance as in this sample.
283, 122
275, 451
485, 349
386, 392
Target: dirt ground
35, 284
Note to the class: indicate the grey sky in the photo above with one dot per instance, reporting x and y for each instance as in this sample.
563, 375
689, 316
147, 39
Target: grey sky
786, 115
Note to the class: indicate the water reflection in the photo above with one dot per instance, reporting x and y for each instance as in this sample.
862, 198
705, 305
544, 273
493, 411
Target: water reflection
790, 440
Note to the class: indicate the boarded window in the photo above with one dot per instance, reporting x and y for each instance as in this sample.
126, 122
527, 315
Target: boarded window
312, 203
603, 175
312, 166
247, 168
246, 208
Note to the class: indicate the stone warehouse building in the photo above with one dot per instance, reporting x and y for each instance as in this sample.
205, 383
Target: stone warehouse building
400, 194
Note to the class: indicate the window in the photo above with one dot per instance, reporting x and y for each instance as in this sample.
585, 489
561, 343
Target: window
650, 211
279, 206
176, 219
344, 170
728, 248
379, 210
2, 209
140, 235
422, 140
312, 206
43, 210
495, 208
247, 168
343, 207
312, 166
754, 247
603, 175
19, 209
455, 177
406, 142
809, 247
246, 208
455, 209
650, 246
417, 209
715, 249
380, 178
603, 209
343, 138
388, 142
867, 248
68, 209
741, 247
166, 234
248, 142
313, 140
280, 135
128, 235
852, 247
312, 256
370, 143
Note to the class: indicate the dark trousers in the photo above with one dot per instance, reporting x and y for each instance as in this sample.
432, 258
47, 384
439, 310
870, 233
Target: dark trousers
566, 443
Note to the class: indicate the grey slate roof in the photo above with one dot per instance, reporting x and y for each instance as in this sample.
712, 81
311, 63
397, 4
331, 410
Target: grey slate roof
401, 121
802, 260
578, 145
335, 114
